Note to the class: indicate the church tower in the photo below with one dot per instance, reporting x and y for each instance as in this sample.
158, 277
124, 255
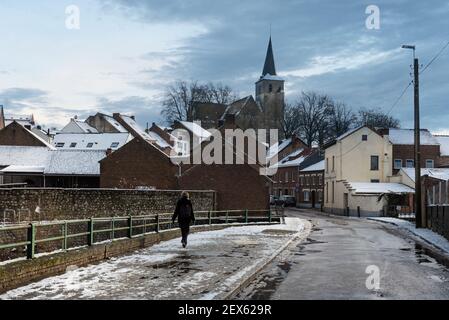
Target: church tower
270, 93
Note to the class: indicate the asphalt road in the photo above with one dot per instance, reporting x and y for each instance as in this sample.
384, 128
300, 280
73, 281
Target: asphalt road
333, 264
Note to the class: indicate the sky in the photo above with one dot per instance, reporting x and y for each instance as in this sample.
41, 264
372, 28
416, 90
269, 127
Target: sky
126, 52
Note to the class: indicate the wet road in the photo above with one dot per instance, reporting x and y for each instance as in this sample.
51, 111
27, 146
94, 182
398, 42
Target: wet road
332, 264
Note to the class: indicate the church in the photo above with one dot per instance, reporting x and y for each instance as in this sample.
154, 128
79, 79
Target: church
265, 111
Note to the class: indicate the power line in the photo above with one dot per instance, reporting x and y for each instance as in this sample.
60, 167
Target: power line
436, 57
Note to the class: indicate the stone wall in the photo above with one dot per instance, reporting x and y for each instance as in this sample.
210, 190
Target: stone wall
69, 204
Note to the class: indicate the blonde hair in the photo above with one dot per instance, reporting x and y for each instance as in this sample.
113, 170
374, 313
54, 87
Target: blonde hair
185, 194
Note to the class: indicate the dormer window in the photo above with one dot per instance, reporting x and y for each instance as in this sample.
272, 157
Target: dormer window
115, 145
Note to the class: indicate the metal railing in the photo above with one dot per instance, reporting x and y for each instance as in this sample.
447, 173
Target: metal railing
134, 226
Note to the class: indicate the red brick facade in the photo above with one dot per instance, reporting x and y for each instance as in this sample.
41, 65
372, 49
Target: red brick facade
16, 135
407, 152
138, 164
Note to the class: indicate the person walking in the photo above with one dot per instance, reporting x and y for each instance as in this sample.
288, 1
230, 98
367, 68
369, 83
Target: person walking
184, 214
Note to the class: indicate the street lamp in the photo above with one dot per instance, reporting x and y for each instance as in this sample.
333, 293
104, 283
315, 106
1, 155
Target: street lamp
418, 199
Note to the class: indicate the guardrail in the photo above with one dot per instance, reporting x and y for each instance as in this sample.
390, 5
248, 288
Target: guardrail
134, 226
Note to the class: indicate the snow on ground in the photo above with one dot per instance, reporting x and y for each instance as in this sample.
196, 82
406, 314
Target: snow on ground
213, 261
425, 234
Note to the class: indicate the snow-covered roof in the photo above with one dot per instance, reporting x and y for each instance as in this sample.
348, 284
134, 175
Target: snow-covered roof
91, 141
23, 156
444, 144
319, 166
436, 173
114, 123
407, 137
347, 133
23, 169
292, 160
378, 188
78, 126
270, 77
196, 129
79, 162
278, 147
70, 162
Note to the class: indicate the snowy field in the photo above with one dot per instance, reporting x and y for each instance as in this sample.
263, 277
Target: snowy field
213, 263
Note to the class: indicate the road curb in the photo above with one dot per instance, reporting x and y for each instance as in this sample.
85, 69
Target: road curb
252, 274
412, 233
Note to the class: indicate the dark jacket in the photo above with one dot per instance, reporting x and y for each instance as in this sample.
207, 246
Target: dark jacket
182, 204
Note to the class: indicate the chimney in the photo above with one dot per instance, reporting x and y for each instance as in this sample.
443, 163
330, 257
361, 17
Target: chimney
133, 117
108, 152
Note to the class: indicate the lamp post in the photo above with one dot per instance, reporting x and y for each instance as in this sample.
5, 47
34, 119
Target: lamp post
418, 199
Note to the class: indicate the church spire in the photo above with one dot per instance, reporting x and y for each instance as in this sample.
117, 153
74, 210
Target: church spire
269, 67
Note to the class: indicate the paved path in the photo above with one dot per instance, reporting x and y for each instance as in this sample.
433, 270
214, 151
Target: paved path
332, 264
212, 263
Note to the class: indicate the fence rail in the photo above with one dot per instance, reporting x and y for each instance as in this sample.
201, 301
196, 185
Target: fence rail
109, 228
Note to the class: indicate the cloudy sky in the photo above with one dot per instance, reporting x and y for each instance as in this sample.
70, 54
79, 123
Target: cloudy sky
127, 51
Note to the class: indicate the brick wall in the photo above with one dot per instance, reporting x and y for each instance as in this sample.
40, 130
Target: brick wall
66, 204
405, 152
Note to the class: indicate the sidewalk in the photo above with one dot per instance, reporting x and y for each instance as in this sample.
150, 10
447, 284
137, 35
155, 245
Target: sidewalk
426, 234
214, 264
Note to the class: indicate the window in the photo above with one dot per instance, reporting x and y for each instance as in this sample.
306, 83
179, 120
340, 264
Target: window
375, 181
60, 145
115, 144
306, 196
270, 88
410, 163
374, 163
286, 177
365, 137
327, 192
397, 164
320, 179
301, 180
73, 145
327, 164
333, 163
90, 145
430, 163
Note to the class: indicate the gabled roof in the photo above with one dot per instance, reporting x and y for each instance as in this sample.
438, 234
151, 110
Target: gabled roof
319, 166
91, 141
197, 130
435, 173
78, 126
407, 137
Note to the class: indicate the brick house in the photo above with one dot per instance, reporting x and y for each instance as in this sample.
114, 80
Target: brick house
138, 164
403, 142
311, 185
15, 134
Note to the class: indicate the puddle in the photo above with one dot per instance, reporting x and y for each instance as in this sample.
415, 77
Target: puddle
269, 283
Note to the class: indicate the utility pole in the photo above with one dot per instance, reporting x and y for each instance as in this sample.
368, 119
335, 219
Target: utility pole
418, 199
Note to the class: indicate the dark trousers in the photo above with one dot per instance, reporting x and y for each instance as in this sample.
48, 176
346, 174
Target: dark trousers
185, 233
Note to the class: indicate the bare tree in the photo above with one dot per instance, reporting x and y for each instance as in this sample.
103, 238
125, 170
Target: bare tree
341, 120
180, 97
377, 118
313, 110
290, 123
